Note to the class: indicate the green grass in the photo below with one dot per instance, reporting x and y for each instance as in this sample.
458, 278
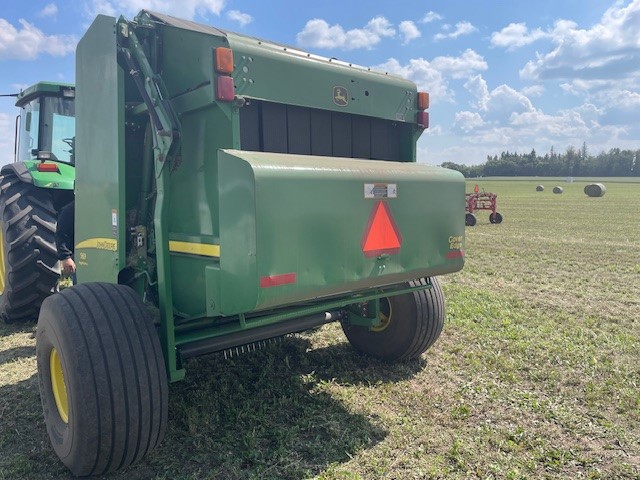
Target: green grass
537, 374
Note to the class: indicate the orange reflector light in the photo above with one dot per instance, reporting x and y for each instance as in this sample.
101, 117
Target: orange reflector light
423, 100
382, 234
423, 119
224, 60
47, 167
224, 89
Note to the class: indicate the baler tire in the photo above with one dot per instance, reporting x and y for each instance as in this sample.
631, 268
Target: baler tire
470, 219
495, 218
100, 365
413, 323
29, 267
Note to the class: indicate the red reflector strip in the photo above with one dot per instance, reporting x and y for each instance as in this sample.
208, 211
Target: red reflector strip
423, 119
47, 167
454, 254
224, 89
275, 280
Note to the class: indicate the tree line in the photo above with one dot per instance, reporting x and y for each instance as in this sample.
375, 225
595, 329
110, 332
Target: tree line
572, 163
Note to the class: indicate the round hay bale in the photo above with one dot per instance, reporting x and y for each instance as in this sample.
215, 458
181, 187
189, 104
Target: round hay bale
540, 188
595, 190
557, 189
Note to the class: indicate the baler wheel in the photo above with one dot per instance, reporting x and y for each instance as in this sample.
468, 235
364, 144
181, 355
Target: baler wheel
495, 218
470, 219
102, 377
411, 323
29, 268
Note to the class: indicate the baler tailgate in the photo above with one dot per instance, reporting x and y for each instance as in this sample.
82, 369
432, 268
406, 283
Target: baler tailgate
295, 227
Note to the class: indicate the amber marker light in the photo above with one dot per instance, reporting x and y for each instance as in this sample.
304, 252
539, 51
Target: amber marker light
47, 167
224, 60
423, 100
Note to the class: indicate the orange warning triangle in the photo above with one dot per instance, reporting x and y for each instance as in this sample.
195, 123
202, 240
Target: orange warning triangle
381, 234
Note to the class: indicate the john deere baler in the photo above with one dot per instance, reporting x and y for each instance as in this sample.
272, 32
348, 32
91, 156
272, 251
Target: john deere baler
246, 190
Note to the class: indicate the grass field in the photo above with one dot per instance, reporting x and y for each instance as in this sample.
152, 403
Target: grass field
537, 374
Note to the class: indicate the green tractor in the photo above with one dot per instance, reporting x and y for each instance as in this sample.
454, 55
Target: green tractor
31, 192
239, 189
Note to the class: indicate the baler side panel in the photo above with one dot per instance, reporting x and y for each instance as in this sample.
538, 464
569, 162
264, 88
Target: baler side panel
100, 201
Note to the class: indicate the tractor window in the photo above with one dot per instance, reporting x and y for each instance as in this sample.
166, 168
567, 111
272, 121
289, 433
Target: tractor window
29, 126
58, 128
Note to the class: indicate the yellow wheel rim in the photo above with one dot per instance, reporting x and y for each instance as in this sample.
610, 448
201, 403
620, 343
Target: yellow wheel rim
384, 315
58, 386
3, 270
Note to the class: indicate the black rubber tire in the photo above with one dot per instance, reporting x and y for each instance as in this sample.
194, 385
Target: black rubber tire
113, 374
30, 269
415, 322
495, 218
470, 219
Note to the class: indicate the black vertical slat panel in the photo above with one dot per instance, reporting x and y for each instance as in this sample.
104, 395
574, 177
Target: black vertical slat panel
320, 132
274, 127
341, 134
379, 139
250, 127
394, 140
299, 130
361, 137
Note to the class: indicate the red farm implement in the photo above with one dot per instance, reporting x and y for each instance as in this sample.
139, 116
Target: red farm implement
481, 201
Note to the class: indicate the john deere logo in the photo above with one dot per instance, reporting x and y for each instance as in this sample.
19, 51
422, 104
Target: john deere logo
340, 96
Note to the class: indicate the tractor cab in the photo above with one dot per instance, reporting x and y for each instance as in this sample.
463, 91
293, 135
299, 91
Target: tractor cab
47, 123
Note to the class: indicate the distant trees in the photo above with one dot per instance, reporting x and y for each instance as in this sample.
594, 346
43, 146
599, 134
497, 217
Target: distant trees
574, 163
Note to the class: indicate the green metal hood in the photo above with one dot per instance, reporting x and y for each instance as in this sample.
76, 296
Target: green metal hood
278, 73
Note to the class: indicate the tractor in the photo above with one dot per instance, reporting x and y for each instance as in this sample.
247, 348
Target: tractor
228, 190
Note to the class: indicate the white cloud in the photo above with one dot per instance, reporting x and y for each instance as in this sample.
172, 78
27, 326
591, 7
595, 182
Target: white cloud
504, 118
409, 31
432, 76
462, 28
242, 18
608, 50
318, 33
28, 42
50, 10
501, 103
533, 91
463, 66
516, 35
99, 7
184, 9
431, 17
380, 26
467, 121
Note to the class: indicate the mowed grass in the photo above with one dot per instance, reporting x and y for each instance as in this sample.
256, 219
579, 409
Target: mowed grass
537, 374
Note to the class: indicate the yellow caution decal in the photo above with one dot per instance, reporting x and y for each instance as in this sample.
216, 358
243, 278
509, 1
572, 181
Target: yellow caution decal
191, 248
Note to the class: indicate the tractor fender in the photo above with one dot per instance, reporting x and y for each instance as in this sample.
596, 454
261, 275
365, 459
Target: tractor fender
20, 170
27, 172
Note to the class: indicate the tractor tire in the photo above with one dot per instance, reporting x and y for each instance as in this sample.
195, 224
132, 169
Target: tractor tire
102, 377
495, 218
29, 267
411, 323
470, 219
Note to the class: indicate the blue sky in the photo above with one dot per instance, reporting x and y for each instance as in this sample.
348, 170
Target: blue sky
503, 75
